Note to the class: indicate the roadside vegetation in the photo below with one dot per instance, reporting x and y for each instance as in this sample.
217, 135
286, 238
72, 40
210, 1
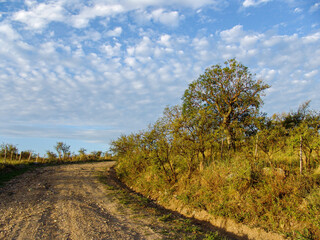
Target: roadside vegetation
217, 152
14, 162
170, 224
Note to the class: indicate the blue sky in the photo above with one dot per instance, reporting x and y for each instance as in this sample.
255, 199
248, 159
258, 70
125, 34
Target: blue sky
84, 72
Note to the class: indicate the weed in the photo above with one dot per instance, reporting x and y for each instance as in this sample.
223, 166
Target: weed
166, 218
304, 235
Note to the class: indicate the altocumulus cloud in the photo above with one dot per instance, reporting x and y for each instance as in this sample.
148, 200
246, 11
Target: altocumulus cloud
91, 71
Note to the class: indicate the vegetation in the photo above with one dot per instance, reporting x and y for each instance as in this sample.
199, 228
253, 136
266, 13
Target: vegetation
217, 152
13, 162
170, 224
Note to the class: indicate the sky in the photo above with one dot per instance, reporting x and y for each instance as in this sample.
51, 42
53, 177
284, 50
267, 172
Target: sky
85, 72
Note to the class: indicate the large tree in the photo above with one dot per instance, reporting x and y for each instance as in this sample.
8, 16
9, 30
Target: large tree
230, 94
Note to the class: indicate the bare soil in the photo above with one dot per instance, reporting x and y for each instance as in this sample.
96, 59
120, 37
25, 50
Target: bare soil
67, 202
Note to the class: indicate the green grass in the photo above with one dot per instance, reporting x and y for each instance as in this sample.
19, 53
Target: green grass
173, 225
256, 194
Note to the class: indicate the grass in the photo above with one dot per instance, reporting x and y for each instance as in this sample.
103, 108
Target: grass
277, 199
170, 224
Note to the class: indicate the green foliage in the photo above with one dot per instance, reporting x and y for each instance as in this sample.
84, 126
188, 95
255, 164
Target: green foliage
229, 95
63, 150
51, 156
165, 217
186, 155
7, 149
214, 236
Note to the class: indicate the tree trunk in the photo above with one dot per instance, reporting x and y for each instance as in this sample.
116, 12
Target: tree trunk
164, 169
221, 150
202, 161
230, 139
256, 148
301, 163
171, 167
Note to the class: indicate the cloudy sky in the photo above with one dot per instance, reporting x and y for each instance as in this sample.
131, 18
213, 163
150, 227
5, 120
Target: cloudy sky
84, 72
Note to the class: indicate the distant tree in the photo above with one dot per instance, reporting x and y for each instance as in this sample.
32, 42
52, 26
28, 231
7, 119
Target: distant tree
295, 118
230, 94
51, 155
62, 149
95, 155
82, 153
303, 125
28, 154
8, 149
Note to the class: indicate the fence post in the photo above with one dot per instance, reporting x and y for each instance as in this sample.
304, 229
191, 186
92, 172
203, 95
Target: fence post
5, 154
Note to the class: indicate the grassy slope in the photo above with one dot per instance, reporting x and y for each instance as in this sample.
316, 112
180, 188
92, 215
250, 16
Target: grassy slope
288, 203
173, 225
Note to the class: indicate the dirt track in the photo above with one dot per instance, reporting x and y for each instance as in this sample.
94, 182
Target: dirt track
66, 202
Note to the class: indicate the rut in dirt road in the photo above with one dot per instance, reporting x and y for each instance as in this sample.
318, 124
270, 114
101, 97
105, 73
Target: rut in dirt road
66, 202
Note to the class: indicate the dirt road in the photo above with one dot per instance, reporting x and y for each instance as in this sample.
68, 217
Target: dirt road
67, 202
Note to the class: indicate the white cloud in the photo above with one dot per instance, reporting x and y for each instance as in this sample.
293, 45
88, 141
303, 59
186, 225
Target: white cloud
115, 32
130, 61
311, 74
98, 10
250, 41
48, 48
165, 40
38, 16
297, 10
279, 39
112, 51
123, 74
160, 15
7, 30
292, 59
135, 4
170, 18
254, 3
312, 38
315, 7
144, 48
233, 34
